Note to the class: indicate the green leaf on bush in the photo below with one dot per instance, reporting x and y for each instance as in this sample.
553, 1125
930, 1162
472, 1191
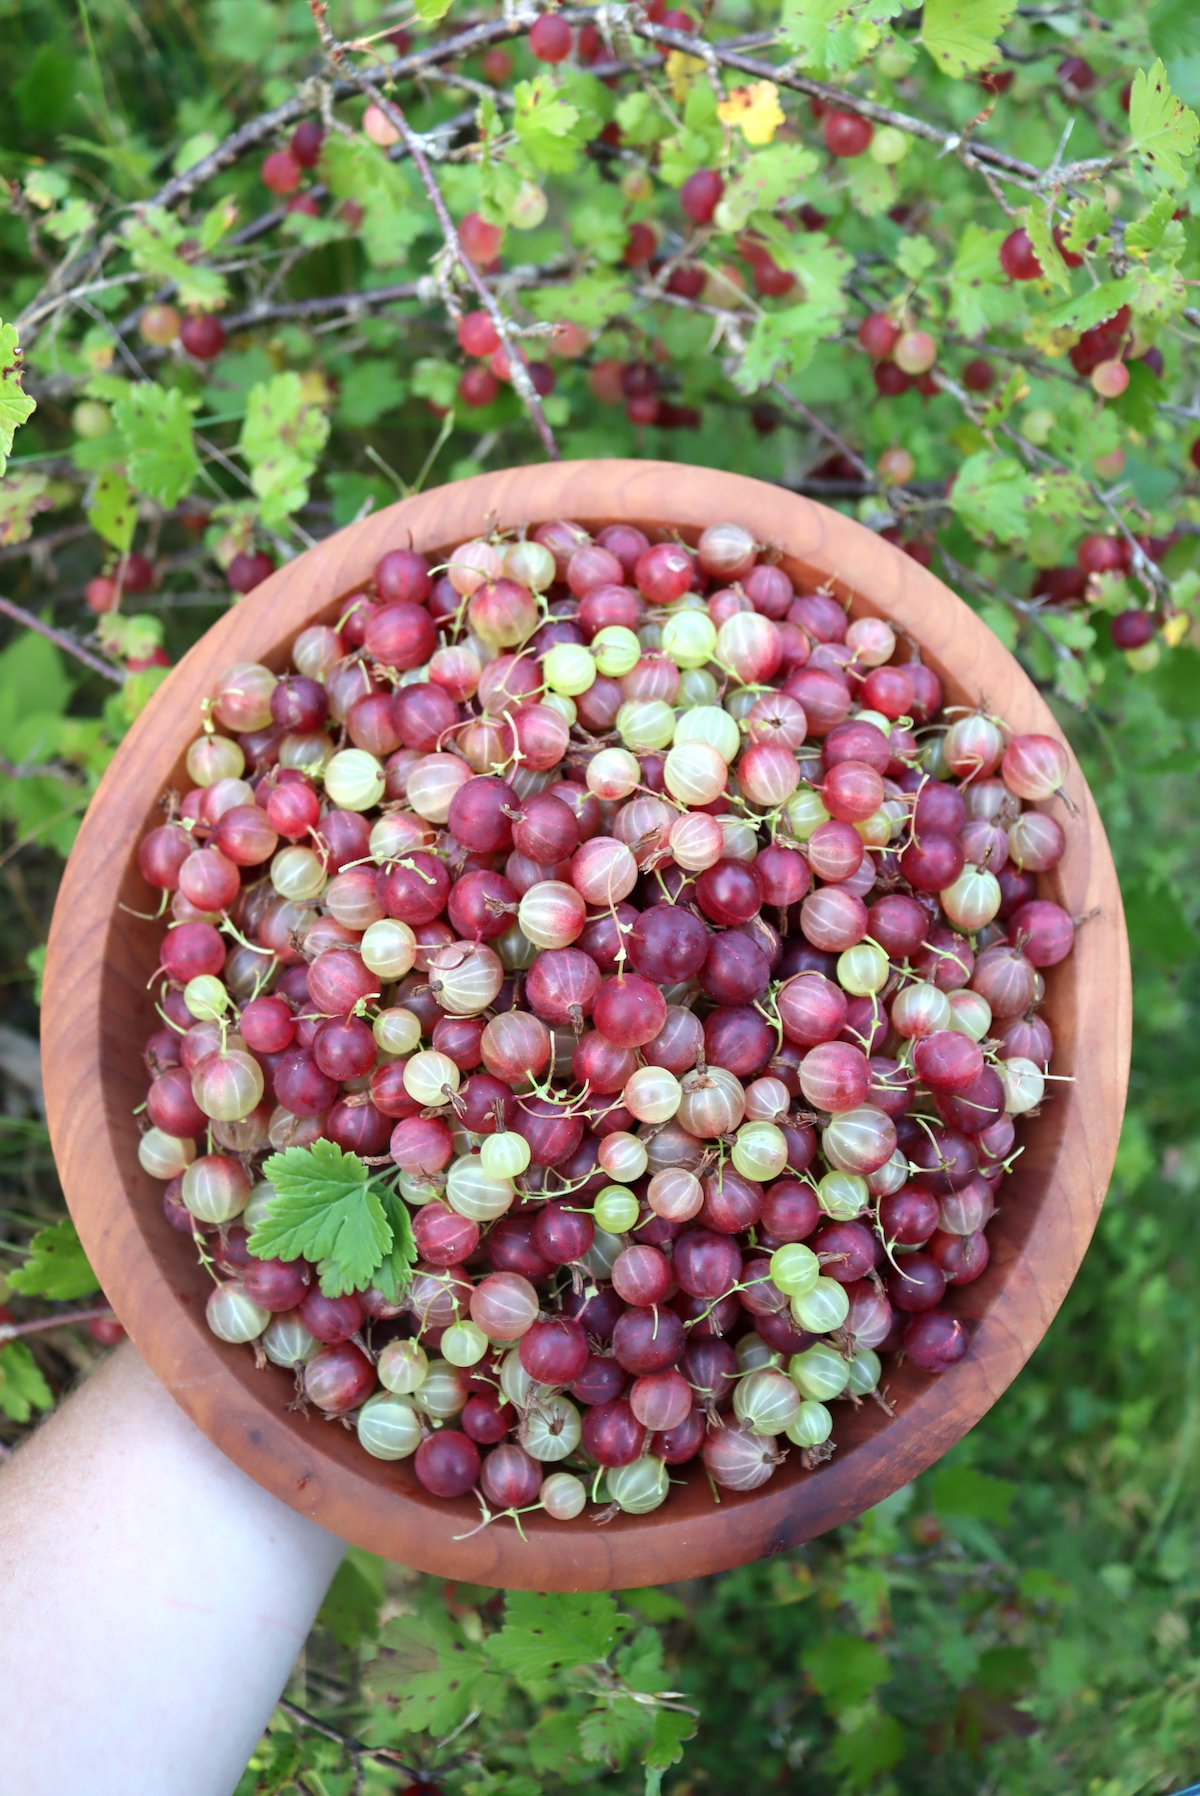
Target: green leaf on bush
57, 1266
152, 236
22, 1387
156, 426
671, 1728
22, 496
591, 300
544, 1634
15, 405
112, 510
432, 1671
1089, 309
874, 1744
829, 37
979, 293
1039, 223
961, 35
352, 1602
394, 1273
393, 214
612, 1733
324, 1210
1146, 233
961, 1490
546, 125
432, 10
282, 437
640, 1662
1163, 131
767, 178
994, 495
844, 1669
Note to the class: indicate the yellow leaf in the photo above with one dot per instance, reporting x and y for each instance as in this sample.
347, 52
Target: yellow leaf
755, 110
1176, 628
682, 70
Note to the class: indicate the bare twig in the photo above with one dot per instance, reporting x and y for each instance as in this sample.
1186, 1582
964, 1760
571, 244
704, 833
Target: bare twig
9, 1331
357, 1749
61, 639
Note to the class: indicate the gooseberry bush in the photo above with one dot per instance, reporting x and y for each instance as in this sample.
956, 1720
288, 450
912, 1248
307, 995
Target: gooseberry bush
932, 268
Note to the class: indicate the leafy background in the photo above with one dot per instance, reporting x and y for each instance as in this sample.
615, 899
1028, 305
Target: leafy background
1024, 1618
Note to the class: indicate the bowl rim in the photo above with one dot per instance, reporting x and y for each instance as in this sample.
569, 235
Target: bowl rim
89, 1029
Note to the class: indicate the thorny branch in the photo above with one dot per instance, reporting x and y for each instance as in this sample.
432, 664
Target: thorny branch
9, 1331
62, 640
518, 373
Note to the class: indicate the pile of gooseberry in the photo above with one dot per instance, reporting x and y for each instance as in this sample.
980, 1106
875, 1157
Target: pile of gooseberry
675, 950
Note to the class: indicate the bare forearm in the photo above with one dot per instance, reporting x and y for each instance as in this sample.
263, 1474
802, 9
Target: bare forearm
152, 1599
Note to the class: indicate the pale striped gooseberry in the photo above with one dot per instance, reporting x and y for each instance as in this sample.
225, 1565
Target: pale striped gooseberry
639, 1487
432, 784
563, 1496
1024, 1084
505, 1155
478, 1195
613, 773
213, 758
569, 667
623, 1157
616, 650
389, 948
233, 1315
354, 780
712, 725
864, 1372
286, 1341
696, 687
752, 1351
970, 1012
863, 969
464, 1343
215, 1188
822, 1309
651, 1094
206, 997
696, 841
615, 1209
428, 1075
465, 977
675, 1194
388, 1427
551, 914
813, 1423
402, 1366
689, 639
694, 773
442, 1392
551, 1428
398, 1031
766, 1400
645, 725
760, 1151
842, 1195
794, 1268
819, 1373
973, 899
920, 1009
802, 813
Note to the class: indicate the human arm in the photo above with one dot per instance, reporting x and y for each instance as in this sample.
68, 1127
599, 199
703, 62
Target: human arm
153, 1599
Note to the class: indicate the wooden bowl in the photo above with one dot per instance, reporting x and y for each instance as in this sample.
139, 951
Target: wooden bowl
97, 1014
